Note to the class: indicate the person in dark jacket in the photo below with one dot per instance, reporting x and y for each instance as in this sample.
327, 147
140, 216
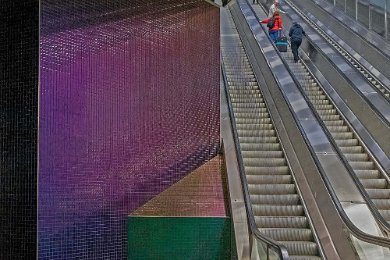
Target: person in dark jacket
274, 32
296, 34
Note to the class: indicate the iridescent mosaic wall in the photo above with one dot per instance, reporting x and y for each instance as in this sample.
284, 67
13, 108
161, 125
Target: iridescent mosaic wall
19, 49
129, 104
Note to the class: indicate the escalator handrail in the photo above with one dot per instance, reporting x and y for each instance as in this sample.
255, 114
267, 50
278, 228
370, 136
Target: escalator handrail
381, 241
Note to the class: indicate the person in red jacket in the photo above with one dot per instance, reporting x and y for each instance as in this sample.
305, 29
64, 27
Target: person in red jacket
274, 32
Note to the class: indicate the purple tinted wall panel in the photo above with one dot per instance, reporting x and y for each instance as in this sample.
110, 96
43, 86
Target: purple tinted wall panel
129, 104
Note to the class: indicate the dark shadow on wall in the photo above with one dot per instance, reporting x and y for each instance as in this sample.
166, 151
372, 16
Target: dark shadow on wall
18, 128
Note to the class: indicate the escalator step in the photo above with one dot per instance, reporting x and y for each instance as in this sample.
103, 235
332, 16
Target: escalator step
231, 71
249, 105
288, 234
324, 106
378, 193
332, 120
262, 154
244, 123
356, 156
367, 174
274, 189
245, 91
263, 123
244, 78
312, 93
338, 128
374, 183
383, 204
321, 102
269, 179
260, 139
342, 135
304, 257
300, 248
302, 74
279, 210
290, 199
349, 142
246, 86
264, 162
252, 115
351, 149
246, 100
362, 165
317, 97
314, 87
282, 222
244, 96
260, 147
326, 111
257, 140
242, 128
256, 110
250, 170
385, 214
248, 132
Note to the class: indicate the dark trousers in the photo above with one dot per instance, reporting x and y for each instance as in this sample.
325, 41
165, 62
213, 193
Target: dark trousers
295, 43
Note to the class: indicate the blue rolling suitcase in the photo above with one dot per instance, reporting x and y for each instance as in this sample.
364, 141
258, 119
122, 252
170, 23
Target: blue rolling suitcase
281, 44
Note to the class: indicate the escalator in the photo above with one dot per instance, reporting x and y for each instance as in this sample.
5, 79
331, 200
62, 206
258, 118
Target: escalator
374, 181
369, 176
275, 199
363, 89
376, 79
324, 143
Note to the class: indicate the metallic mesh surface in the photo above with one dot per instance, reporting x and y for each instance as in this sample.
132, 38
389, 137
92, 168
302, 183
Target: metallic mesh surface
129, 104
19, 49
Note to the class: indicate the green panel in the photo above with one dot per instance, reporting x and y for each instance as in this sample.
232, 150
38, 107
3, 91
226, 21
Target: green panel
179, 238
